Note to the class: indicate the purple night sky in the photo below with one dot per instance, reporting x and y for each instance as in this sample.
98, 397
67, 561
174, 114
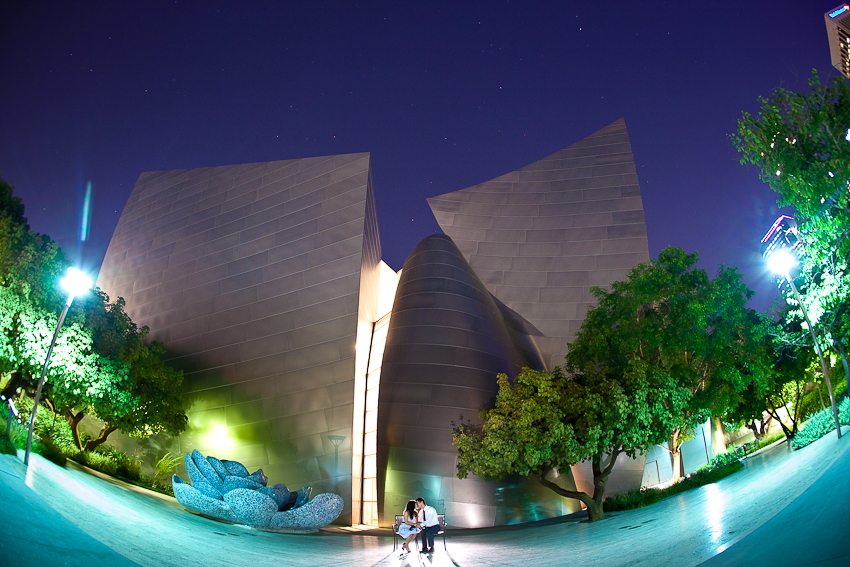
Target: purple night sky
443, 94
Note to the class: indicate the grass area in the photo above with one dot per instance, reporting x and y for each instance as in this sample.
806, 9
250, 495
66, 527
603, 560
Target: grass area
719, 468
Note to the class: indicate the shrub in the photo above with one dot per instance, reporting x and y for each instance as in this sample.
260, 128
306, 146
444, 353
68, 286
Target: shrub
126, 467
634, 499
718, 468
7, 447
18, 431
821, 423
164, 468
51, 451
97, 461
811, 402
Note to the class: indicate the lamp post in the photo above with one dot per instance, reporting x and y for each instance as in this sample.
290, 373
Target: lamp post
781, 261
75, 283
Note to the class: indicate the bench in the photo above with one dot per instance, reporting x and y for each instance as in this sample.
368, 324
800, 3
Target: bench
399, 520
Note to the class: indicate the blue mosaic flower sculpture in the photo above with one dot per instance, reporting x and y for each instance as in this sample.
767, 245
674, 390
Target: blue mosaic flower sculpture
224, 490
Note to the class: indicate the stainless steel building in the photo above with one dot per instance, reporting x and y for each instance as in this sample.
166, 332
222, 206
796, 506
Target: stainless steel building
306, 355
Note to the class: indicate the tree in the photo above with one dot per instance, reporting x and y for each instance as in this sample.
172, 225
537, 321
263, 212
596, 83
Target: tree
76, 377
799, 142
789, 381
545, 422
152, 385
100, 366
30, 263
691, 335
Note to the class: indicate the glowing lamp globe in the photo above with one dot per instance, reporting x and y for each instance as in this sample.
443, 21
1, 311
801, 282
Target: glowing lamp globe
75, 282
781, 261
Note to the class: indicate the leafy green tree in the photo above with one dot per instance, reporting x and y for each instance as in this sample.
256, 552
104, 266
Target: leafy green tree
545, 422
30, 263
100, 366
798, 140
153, 386
781, 397
691, 335
76, 376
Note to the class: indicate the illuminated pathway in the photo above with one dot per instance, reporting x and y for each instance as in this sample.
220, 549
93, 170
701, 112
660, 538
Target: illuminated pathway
783, 509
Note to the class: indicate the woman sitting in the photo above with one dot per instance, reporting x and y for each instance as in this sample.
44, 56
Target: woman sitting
410, 526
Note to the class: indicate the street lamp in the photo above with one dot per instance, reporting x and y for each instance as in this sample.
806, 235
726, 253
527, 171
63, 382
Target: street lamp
75, 283
780, 261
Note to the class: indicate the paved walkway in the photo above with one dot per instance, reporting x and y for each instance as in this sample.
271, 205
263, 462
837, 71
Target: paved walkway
784, 509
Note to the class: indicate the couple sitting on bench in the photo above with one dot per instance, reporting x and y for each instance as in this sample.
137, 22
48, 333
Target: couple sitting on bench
419, 518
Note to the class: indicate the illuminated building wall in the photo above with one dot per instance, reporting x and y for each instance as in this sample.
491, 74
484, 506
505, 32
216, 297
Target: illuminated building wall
540, 237
307, 356
262, 281
838, 32
448, 339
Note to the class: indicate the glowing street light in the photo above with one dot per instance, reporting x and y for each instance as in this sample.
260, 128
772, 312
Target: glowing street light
75, 283
781, 261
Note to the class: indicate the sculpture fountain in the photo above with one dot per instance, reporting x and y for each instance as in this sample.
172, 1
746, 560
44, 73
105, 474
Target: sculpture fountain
224, 490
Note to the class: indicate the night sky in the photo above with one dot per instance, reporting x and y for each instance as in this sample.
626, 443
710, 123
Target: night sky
443, 94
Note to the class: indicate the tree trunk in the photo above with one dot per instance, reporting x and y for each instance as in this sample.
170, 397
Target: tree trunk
752, 426
676, 457
789, 433
73, 423
675, 449
600, 476
595, 512
718, 442
92, 444
820, 395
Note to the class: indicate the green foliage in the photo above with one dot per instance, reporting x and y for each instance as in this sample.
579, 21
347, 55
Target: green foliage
157, 389
812, 403
100, 364
690, 339
546, 421
634, 499
97, 461
529, 430
164, 469
126, 467
797, 141
821, 423
719, 468
7, 446
50, 450
659, 354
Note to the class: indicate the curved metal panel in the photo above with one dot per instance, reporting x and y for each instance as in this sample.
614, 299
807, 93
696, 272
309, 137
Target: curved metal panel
447, 341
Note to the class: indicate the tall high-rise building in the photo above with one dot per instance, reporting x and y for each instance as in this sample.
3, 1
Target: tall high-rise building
838, 31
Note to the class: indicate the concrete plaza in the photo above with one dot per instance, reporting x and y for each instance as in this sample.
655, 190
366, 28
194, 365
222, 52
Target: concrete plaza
784, 509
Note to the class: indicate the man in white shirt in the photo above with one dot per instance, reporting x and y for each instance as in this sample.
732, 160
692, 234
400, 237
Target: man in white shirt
430, 525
